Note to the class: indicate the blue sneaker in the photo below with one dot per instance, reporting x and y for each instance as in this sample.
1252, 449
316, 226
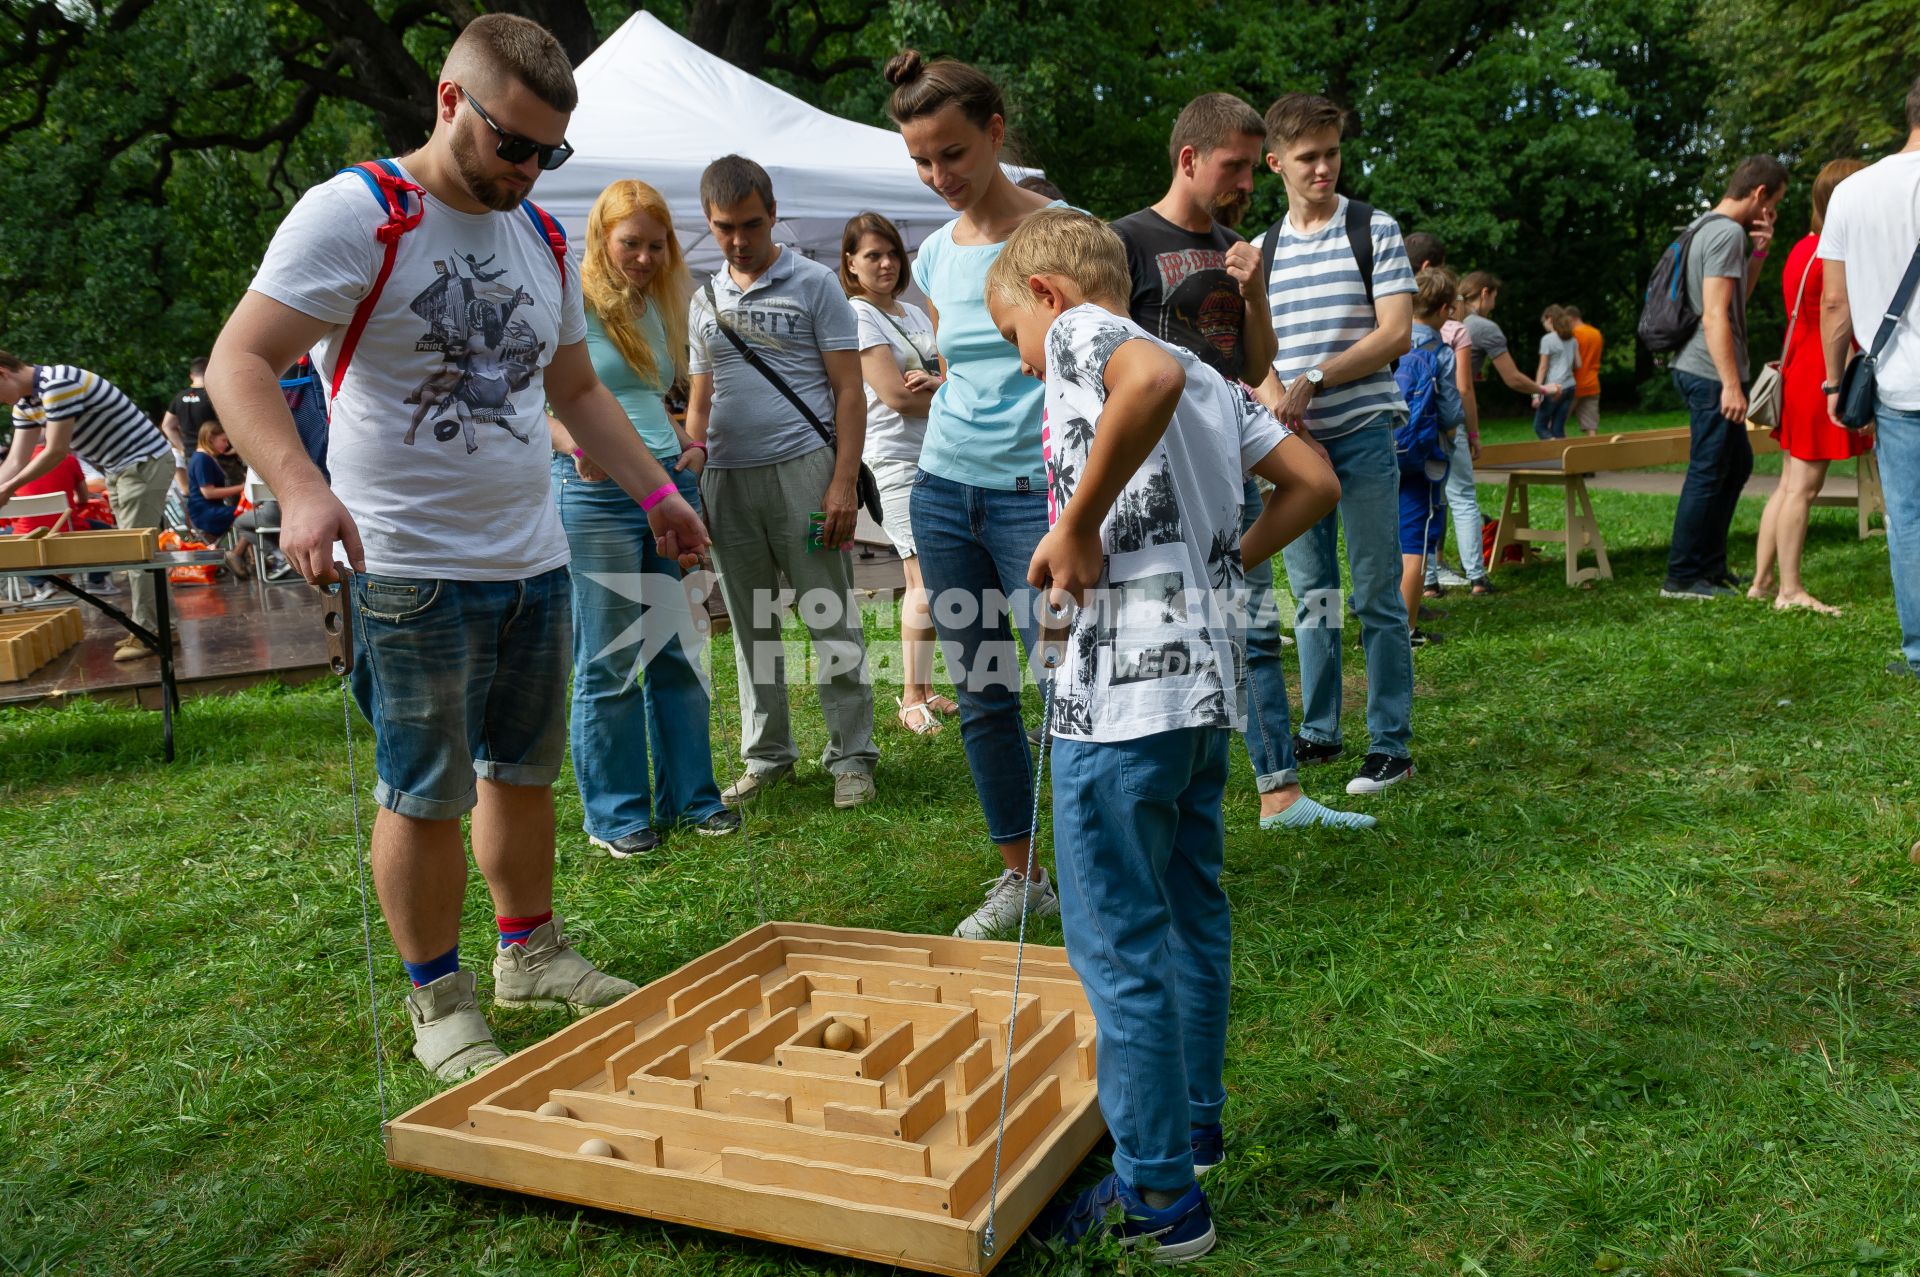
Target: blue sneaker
1209, 1147
1181, 1232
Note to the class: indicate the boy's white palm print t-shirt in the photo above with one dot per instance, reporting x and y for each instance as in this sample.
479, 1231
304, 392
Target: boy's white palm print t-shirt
439, 445
1155, 648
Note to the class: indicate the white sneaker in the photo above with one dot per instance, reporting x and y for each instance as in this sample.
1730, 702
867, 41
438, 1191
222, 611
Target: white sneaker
1453, 580
999, 914
450, 1036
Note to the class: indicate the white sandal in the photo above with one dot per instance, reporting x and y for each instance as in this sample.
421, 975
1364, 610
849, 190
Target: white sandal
918, 718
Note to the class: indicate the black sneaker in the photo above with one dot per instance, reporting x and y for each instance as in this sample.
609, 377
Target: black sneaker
1378, 772
637, 843
1733, 580
1422, 638
1698, 591
719, 825
1308, 752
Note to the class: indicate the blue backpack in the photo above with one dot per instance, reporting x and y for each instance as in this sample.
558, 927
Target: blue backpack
1418, 441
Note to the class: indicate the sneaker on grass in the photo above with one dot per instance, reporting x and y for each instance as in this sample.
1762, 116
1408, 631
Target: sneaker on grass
1378, 772
548, 973
450, 1036
637, 843
1181, 1232
1698, 591
1308, 752
719, 825
1000, 913
752, 784
852, 789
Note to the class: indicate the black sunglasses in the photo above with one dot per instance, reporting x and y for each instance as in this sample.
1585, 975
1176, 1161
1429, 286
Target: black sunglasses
515, 149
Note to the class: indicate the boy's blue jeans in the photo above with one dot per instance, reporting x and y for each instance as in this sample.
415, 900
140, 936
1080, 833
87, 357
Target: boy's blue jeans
1138, 841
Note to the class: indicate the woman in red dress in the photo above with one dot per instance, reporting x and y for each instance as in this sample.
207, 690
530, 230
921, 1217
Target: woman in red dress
1809, 437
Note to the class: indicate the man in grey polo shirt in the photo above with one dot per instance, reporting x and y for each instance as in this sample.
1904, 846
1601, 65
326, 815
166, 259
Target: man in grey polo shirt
779, 500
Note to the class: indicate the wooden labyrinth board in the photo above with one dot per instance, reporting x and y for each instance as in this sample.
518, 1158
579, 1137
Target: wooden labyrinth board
717, 1102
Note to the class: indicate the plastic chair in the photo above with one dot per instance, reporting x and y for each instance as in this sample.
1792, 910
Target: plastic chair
38, 506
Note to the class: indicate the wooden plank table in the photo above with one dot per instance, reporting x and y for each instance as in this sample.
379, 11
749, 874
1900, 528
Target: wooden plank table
1566, 463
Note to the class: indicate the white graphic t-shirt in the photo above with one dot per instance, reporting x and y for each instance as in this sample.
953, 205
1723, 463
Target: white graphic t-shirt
908, 337
1155, 648
439, 444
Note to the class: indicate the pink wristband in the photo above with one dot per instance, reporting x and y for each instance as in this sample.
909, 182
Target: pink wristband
579, 452
658, 495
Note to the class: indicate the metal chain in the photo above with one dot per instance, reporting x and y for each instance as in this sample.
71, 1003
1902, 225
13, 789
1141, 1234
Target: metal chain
989, 1239
366, 912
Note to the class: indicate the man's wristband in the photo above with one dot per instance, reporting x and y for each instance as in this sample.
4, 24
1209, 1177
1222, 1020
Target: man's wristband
690, 447
1827, 388
659, 494
579, 452
1757, 254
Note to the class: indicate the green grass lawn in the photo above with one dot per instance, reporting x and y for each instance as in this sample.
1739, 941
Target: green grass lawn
1628, 982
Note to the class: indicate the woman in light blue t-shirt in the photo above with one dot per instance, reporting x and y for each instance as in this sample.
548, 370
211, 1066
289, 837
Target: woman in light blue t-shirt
635, 690
980, 498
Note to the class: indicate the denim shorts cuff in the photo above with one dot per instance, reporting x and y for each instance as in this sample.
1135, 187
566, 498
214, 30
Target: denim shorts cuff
533, 775
1268, 782
417, 808
1001, 840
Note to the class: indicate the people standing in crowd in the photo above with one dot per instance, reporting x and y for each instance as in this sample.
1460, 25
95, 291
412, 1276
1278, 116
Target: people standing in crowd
776, 398
1427, 381
1146, 472
458, 558
60, 409
212, 501
1340, 324
980, 499
1810, 438
1197, 284
1868, 257
189, 410
1481, 292
1586, 382
1425, 251
1559, 360
900, 362
1710, 372
637, 697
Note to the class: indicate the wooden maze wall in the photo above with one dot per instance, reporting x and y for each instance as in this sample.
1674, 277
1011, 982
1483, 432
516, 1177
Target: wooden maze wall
710, 1097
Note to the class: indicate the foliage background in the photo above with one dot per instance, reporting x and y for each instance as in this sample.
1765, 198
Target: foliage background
149, 147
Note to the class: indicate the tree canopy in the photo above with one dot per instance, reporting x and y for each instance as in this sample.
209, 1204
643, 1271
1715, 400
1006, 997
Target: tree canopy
150, 146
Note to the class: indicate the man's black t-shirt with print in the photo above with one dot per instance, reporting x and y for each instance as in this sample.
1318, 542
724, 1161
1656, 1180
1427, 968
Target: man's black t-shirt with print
191, 408
1182, 292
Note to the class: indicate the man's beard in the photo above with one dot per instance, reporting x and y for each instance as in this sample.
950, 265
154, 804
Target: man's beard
471, 167
1228, 209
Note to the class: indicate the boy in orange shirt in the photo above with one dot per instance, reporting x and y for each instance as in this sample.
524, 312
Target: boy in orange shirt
1586, 378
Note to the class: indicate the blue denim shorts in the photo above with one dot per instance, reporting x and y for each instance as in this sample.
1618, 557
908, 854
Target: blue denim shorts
461, 679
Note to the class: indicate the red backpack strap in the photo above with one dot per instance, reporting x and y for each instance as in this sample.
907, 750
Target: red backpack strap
390, 191
551, 231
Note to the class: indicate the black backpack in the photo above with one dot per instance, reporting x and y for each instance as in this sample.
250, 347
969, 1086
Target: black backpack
1359, 239
1667, 316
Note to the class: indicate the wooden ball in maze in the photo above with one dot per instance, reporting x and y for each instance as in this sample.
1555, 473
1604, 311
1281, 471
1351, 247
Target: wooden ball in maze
730, 1109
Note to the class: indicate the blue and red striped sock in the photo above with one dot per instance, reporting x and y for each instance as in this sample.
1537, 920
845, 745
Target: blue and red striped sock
516, 930
433, 969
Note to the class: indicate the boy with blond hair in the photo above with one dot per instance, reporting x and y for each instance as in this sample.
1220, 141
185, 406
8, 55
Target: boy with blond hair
1146, 448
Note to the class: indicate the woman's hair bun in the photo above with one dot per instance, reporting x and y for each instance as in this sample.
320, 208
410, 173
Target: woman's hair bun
904, 68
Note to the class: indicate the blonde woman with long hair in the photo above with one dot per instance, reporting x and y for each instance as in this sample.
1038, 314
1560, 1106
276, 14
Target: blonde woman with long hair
636, 287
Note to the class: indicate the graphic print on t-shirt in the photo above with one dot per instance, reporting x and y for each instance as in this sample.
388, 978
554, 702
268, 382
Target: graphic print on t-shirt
1196, 292
490, 353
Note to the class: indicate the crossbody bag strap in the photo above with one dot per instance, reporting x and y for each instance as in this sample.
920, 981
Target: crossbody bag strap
1793, 318
913, 351
760, 366
1898, 306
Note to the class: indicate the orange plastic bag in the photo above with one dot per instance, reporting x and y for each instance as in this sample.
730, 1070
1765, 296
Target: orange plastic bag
190, 573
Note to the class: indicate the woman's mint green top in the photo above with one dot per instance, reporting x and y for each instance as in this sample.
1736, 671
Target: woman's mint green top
641, 399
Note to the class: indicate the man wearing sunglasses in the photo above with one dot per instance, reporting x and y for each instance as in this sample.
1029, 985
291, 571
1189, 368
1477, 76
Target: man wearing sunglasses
459, 583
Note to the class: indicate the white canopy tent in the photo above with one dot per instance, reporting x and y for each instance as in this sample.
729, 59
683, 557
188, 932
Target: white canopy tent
656, 106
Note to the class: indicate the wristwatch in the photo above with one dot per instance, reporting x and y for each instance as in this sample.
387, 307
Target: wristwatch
1314, 377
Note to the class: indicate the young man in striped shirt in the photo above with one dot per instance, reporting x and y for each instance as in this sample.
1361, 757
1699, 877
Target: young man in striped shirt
72, 410
1341, 322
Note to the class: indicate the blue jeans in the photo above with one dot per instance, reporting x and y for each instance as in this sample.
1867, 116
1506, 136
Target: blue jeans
618, 719
975, 546
1269, 733
1550, 418
1718, 466
1463, 500
460, 679
1138, 843
1369, 510
1898, 444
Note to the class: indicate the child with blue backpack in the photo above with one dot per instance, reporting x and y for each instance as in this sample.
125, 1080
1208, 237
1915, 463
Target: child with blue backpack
1434, 412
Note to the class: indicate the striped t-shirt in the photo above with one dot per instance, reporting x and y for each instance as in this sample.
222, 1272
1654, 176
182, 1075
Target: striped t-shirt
109, 432
1320, 308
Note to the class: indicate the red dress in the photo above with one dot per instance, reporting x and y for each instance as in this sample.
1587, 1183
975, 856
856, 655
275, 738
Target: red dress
1805, 430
